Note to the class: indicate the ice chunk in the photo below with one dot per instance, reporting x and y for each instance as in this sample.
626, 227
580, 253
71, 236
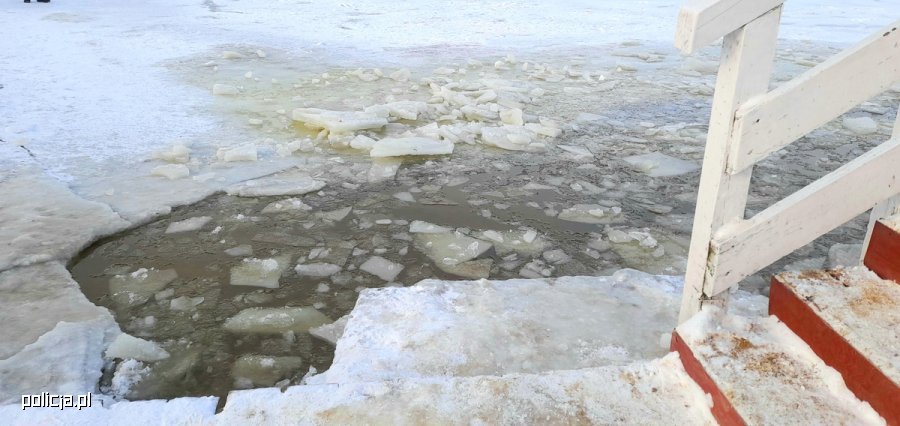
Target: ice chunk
230, 54
171, 171
512, 116
335, 215
188, 225
381, 268
260, 53
513, 138
473, 269
338, 121
275, 320
556, 256
128, 373
246, 152
422, 227
860, 125
271, 186
126, 346
405, 196
225, 90
139, 286
317, 269
241, 250
400, 75
286, 205
259, 272
260, 370
331, 332
844, 255
178, 153
362, 142
580, 153
450, 248
657, 164
185, 303
383, 168
591, 213
406, 110
395, 147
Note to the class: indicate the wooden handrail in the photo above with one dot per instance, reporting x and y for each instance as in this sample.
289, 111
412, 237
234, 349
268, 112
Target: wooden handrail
748, 123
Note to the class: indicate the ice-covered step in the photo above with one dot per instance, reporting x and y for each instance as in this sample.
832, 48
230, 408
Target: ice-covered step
758, 372
851, 319
652, 392
883, 253
471, 328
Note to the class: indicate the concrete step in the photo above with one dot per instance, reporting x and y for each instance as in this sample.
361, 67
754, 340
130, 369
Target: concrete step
883, 254
758, 372
851, 320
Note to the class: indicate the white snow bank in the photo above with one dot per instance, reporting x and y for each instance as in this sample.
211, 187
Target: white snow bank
181, 411
656, 392
41, 219
69, 359
34, 299
468, 328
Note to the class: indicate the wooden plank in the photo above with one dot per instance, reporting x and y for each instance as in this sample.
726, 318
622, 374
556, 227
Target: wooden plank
750, 245
771, 122
701, 22
746, 65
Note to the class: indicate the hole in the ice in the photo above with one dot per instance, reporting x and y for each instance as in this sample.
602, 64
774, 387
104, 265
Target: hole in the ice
201, 298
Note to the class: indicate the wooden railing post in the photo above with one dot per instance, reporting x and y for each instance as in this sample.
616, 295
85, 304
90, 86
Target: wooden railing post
748, 54
885, 208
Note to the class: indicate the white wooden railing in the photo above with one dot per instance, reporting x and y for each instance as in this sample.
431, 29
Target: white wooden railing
748, 122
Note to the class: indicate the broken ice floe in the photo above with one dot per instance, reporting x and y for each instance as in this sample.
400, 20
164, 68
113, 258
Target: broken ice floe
592, 213
261, 370
139, 286
338, 121
188, 225
381, 268
126, 346
397, 147
272, 186
275, 320
656, 164
259, 272
319, 270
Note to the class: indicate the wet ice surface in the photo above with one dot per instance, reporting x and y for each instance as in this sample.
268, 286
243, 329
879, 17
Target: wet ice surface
562, 163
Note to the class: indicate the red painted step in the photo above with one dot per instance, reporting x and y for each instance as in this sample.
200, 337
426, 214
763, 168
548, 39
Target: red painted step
883, 254
757, 372
851, 320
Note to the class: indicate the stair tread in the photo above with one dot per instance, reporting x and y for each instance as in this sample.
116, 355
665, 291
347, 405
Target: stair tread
858, 305
651, 392
768, 374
